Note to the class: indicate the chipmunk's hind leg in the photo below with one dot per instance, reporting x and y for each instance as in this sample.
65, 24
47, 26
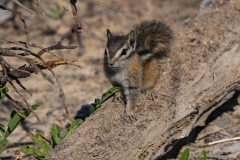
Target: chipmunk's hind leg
150, 77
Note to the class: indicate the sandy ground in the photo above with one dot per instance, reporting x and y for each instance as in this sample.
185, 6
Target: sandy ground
82, 86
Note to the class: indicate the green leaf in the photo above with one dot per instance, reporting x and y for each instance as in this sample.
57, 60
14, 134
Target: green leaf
15, 120
72, 127
3, 143
40, 142
3, 91
55, 138
33, 151
92, 108
2, 129
204, 155
98, 102
139, 152
185, 154
54, 13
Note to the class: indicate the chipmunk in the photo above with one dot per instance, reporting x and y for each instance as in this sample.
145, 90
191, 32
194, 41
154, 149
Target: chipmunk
132, 61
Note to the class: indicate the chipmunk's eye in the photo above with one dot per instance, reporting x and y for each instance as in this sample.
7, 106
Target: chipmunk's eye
124, 51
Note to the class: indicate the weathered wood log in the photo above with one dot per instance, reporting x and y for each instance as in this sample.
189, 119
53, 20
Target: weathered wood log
201, 73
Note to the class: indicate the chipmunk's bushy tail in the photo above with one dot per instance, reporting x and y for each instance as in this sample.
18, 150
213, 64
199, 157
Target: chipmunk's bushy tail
152, 37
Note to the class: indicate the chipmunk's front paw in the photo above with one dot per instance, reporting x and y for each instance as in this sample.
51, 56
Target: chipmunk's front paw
150, 94
118, 96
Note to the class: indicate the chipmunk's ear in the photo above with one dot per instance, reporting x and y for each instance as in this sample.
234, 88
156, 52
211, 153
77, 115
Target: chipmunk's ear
130, 38
109, 34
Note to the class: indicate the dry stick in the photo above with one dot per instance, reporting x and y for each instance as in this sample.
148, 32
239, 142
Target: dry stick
58, 46
9, 66
24, 54
14, 103
15, 106
58, 82
20, 84
14, 42
28, 60
75, 15
23, 21
65, 36
29, 107
40, 8
37, 46
210, 133
33, 54
24, 7
61, 93
59, 57
224, 140
59, 86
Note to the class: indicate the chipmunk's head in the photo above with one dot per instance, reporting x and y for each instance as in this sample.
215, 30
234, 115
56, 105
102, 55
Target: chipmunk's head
118, 50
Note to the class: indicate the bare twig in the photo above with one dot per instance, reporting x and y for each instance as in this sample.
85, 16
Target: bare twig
59, 57
13, 102
40, 8
24, 7
210, 133
7, 52
20, 84
75, 15
37, 46
29, 106
61, 93
224, 140
57, 46
9, 67
23, 21
15, 106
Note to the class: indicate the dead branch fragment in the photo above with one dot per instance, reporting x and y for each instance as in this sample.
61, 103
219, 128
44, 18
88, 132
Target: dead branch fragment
55, 63
40, 8
75, 15
23, 21
23, 98
24, 7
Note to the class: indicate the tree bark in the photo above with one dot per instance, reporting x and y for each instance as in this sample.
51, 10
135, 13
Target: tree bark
200, 74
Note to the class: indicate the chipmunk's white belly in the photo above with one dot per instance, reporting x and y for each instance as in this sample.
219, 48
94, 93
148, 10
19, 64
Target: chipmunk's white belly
121, 78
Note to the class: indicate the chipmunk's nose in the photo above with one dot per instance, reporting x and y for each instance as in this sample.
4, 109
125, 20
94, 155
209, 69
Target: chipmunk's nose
111, 63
